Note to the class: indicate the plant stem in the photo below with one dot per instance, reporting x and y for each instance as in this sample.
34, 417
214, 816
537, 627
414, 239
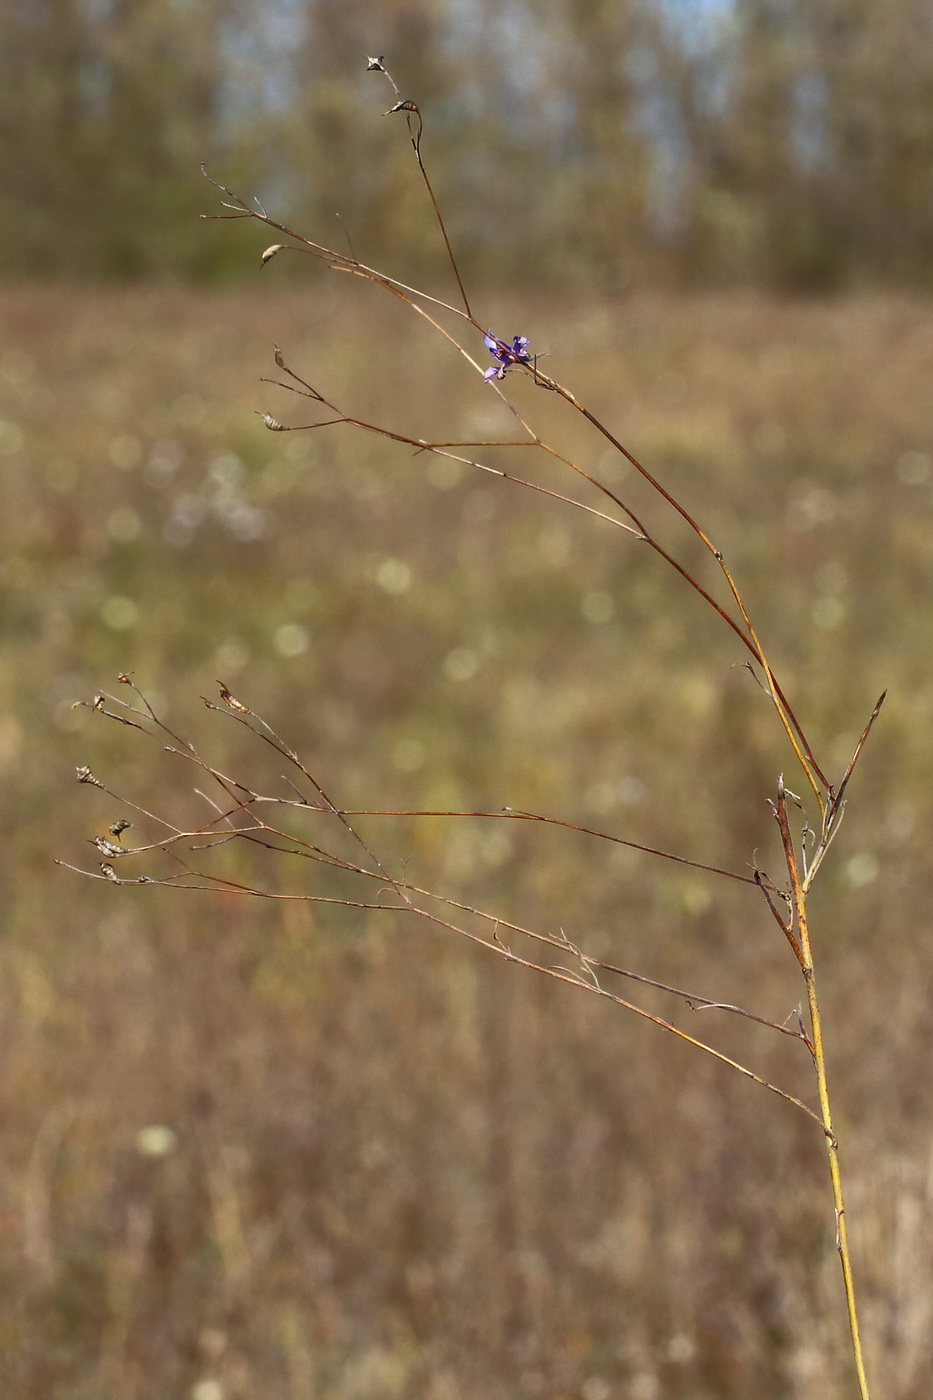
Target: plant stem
819, 1063
832, 1150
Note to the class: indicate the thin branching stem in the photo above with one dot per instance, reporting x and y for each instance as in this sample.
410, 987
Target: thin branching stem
215, 882
236, 810
342, 262
819, 1062
510, 814
788, 719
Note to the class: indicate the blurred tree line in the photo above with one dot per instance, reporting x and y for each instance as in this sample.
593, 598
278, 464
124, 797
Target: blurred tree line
611, 142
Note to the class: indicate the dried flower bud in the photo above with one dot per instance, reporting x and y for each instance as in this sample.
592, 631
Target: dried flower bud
278, 358
110, 873
273, 424
84, 775
232, 701
270, 253
119, 827
374, 65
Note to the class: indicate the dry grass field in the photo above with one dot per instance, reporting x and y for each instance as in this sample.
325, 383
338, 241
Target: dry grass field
253, 1149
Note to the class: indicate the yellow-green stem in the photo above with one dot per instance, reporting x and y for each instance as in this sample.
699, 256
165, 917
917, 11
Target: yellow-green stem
832, 1149
819, 1061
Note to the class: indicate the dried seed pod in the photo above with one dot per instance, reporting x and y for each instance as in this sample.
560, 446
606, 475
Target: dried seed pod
232, 701
107, 848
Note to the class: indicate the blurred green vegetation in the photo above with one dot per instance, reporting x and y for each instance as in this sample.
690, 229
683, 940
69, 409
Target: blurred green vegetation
268, 1149
620, 143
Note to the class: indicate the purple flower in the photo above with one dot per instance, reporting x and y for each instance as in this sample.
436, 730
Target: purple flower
505, 354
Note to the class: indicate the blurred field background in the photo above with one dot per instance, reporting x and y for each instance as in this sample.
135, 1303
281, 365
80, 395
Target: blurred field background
253, 1149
